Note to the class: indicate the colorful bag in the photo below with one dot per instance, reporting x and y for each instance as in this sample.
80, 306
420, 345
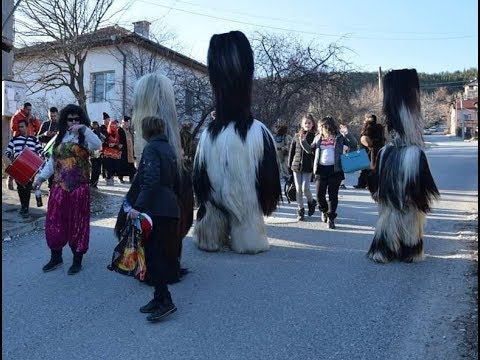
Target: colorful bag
354, 161
129, 256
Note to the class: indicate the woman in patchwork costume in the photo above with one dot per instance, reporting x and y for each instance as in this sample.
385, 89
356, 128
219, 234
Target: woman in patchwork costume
68, 214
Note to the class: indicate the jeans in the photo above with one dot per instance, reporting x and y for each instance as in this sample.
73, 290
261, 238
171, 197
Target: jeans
302, 184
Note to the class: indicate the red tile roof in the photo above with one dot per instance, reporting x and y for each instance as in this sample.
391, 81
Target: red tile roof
467, 104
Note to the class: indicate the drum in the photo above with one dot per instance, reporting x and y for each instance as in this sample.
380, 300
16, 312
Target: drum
25, 166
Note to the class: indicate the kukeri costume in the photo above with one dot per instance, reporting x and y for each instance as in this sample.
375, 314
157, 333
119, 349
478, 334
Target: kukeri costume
401, 182
236, 176
236, 179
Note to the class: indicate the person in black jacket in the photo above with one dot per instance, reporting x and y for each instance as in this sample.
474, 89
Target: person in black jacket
163, 253
372, 139
329, 145
353, 144
300, 162
158, 178
49, 128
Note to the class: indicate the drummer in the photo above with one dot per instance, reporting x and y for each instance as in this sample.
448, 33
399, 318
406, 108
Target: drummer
14, 148
47, 131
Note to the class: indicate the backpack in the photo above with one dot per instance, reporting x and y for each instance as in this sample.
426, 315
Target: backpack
289, 190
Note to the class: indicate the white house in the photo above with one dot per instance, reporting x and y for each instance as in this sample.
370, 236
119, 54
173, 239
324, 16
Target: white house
471, 90
116, 59
464, 115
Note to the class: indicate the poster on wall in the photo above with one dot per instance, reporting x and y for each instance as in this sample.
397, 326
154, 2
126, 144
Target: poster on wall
13, 96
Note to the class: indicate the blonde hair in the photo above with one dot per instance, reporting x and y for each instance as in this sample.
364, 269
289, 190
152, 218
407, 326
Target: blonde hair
154, 97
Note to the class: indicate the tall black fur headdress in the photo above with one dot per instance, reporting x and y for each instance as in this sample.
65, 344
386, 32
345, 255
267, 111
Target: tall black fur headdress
401, 105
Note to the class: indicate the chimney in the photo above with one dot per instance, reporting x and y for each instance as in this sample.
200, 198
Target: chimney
142, 28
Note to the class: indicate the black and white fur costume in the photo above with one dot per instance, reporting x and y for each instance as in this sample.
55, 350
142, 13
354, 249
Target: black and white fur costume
402, 183
236, 174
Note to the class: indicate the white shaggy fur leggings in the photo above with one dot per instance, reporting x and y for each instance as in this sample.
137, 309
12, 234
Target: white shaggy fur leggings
302, 184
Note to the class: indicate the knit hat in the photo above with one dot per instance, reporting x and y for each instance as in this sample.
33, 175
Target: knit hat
105, 116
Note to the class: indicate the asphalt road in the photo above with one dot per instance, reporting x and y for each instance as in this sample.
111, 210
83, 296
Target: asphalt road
314, 295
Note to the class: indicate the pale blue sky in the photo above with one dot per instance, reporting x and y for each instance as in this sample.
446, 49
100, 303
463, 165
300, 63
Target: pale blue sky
429, 35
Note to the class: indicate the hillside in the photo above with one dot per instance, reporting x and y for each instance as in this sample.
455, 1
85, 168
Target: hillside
453, 81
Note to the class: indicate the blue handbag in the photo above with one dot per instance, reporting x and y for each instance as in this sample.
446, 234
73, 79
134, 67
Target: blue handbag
354, 161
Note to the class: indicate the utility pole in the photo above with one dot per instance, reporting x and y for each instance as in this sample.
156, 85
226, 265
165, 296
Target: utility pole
4, 22
380, 80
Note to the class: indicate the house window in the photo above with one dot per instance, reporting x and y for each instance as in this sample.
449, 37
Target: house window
103, 86
188, 102
467, 117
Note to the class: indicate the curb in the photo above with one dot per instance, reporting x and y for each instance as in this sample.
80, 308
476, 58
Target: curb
22, 229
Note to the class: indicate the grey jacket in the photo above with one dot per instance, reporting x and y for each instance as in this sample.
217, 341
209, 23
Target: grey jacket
340, 141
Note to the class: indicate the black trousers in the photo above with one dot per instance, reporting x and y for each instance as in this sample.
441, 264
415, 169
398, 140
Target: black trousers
161, 254
96, 170
328, 181
110, 167
24, 193
363, 178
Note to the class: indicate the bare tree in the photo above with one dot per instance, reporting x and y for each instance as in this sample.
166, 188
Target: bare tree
193, 93
65, 29
436, 106
195, 102
366, 100
292, 78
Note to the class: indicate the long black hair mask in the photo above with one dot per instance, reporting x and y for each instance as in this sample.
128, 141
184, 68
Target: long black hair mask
230, 68
401, 105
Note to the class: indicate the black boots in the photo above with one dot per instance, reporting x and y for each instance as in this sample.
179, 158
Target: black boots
77, 263
55, 261
300, 214
311, 207
331, 220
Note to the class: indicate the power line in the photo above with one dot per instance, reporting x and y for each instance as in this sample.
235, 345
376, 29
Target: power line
306, 32
236, 12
